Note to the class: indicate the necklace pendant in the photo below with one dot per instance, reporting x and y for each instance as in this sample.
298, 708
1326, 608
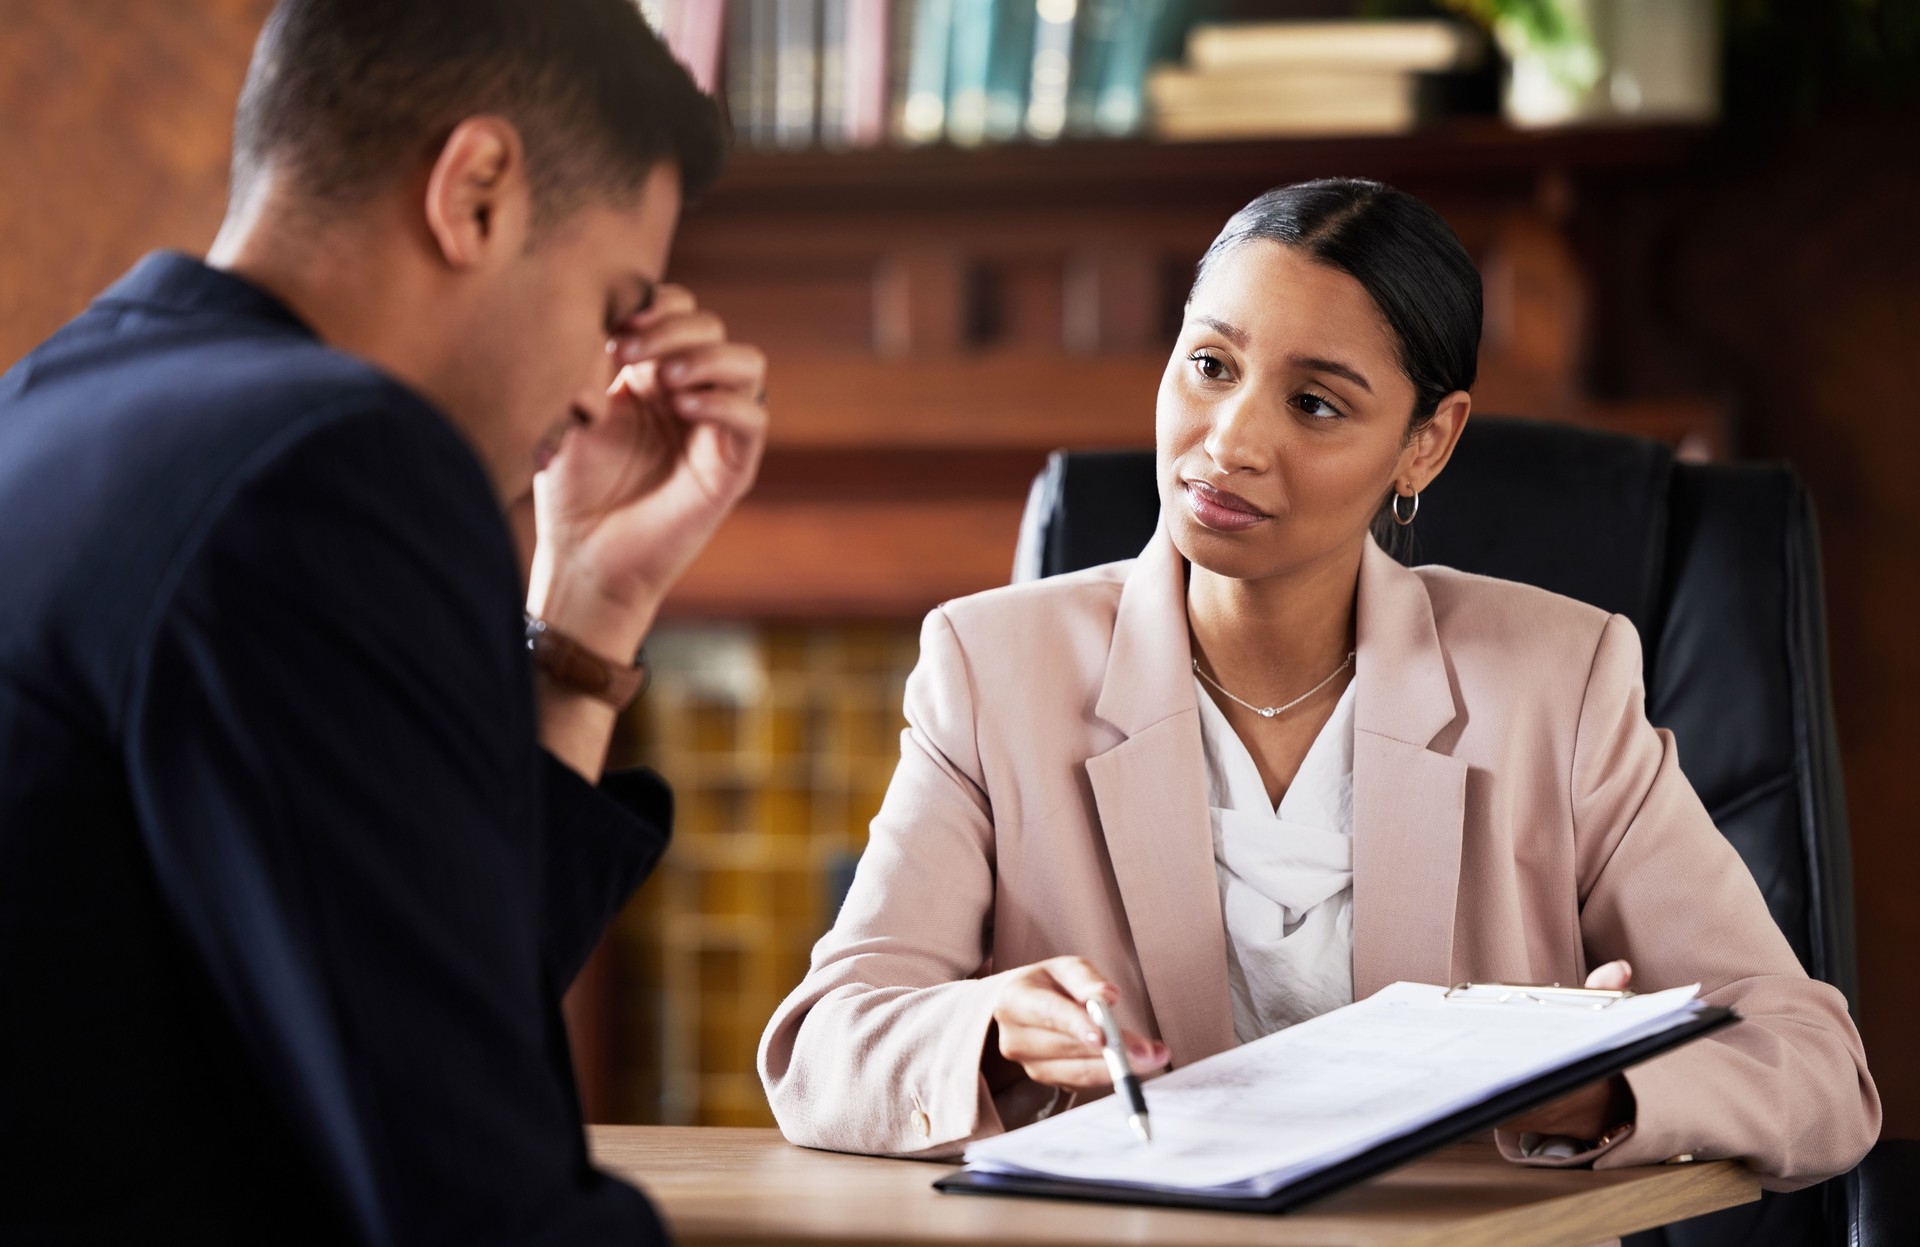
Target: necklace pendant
1267, 712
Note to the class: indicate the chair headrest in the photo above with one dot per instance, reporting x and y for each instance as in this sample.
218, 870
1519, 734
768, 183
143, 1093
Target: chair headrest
1575, 510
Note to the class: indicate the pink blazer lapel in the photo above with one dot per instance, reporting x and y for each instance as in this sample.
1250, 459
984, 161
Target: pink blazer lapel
1151, 793
1409, 801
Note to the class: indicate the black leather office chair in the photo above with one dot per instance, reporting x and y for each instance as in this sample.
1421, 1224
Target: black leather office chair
1718, 567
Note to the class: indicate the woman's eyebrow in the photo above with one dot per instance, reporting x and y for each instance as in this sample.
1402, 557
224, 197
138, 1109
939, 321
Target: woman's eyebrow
1313, 363
1309, 363
1226, 329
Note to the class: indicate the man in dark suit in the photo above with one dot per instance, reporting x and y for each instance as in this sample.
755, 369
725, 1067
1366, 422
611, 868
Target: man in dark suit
298, 848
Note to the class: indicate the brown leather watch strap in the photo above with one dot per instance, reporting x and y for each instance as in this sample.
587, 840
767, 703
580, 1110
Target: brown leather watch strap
572, 665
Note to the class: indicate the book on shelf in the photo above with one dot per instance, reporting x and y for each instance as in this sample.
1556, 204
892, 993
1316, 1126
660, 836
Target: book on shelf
1188, 104
924, 117
865, 65
750, 43
831, 107
1096, 28
1052, 69
694, 30
1271, 79
990, 69
1436, 46
854, 86
901, 15
1118, 102
970, 55
1010, 68
844, 73
796, 71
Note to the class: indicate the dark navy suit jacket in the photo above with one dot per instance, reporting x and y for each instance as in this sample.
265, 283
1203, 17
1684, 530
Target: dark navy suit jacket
288, 889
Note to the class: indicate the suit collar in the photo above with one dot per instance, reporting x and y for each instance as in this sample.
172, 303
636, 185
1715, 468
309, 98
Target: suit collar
1149, 673
1409, 800
173, 281
1150, 662
1409, 697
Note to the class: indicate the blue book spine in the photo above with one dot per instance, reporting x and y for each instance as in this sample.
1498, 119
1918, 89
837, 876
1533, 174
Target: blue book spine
1117, 103
925, 115
1096, 28
1010, 68
973, 22
1052, 69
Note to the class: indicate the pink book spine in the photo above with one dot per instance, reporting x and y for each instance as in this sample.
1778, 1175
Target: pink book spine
866, 72
694, 30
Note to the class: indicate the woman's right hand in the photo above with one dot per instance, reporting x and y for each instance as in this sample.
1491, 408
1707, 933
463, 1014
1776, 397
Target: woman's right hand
1044, 1027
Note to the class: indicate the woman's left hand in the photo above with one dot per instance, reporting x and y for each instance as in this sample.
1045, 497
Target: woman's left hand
1591, 1111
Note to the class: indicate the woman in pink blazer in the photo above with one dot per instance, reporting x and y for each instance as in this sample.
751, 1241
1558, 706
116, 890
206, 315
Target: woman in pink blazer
1062, 823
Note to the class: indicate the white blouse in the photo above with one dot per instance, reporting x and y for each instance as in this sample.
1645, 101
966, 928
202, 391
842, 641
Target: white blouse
1286, 875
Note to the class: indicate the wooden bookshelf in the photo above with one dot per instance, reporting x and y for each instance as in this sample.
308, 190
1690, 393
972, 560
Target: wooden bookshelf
780, 742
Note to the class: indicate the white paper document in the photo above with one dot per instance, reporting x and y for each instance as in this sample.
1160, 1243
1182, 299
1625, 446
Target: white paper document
1250, 1120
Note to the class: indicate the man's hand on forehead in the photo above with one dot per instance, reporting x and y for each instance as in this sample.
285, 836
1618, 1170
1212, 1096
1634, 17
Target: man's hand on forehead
632, 496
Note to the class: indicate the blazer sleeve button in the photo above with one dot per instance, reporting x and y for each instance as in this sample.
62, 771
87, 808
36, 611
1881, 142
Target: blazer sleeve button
922, 1125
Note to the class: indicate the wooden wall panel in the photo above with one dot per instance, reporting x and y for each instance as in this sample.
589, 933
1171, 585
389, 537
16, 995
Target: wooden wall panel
1798, 276
115, 123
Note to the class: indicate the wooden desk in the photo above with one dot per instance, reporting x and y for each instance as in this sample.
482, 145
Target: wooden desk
718, 1186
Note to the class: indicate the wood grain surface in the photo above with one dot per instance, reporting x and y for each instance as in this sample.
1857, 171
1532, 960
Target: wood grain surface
718, 1187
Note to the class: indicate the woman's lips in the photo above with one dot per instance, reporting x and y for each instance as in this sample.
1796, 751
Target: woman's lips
1221, 511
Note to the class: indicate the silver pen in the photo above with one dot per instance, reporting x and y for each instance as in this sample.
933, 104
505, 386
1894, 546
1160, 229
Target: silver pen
1125, 1081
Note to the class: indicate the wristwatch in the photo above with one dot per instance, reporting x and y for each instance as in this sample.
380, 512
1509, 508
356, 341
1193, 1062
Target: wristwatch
573, 666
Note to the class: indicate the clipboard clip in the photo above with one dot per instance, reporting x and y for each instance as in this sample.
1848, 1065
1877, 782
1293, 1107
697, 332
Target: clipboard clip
1551, 995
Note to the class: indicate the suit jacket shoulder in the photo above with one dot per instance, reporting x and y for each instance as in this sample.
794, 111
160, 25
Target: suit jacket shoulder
127, 439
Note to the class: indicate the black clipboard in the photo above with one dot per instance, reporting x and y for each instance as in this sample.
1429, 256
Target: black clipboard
1376, 1160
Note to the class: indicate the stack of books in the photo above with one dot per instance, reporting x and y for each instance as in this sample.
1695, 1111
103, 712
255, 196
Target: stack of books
857, 73
1262, 80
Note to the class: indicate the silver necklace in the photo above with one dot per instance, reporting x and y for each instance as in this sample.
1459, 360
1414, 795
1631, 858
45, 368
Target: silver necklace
1267, 712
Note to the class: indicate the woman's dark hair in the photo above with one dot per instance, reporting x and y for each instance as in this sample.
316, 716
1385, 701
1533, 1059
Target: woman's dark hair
347, 96
1400, 250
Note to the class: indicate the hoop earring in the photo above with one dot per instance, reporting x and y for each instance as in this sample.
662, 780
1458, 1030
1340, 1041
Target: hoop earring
1404, 520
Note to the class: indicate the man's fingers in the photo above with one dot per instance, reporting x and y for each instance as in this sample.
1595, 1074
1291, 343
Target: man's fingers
1612, 977
668, 300
727, 409
732, 364
668, 335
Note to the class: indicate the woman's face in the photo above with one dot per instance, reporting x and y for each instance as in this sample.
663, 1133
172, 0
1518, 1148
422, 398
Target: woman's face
1282, 416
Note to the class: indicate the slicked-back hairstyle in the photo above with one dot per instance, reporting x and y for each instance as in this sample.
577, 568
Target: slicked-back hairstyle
347, 97
1401, 251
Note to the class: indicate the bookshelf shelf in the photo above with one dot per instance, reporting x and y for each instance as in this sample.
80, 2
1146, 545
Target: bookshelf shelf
945, 178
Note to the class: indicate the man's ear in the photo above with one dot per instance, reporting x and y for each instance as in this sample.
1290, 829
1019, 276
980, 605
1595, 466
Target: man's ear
1433, 445
478, 202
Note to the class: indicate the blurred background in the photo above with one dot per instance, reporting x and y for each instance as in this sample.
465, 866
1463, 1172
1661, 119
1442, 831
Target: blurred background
963, 229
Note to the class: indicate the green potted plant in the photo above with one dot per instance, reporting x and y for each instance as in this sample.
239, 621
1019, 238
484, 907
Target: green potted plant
1595, 60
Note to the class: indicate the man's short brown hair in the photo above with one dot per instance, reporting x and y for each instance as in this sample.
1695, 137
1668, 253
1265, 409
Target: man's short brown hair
349, 96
